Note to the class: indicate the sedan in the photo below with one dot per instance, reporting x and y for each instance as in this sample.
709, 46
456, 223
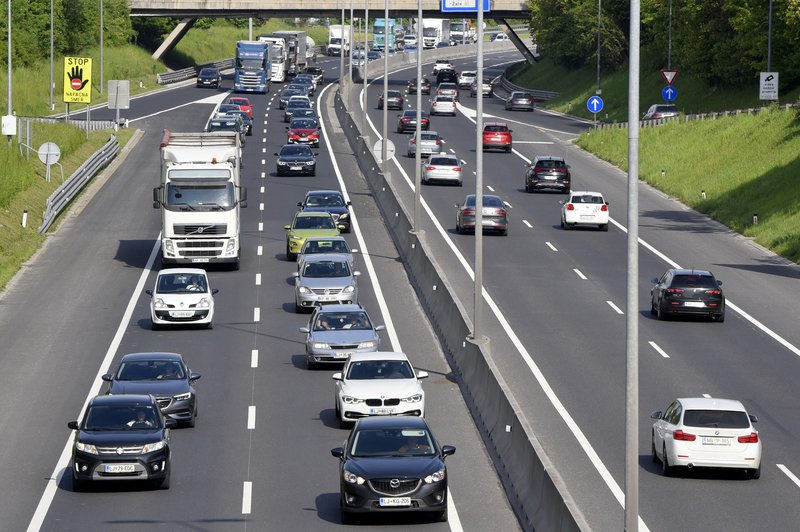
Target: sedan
442, 167
316, 73
392, 464
378, 384
243, 103
225, 108
316, 245
330, 201
291, 106
209, 77
246, 120
121, 438
305, 225
324, 280
688, 292
408, 121
485, 87
584, 208
181, 296
430, 142
519, 100
288, 93
335, 332
441, 64
495, 215
165, 376
306, 81
447, 89
303, 131
393, 100
706, 432
443, 105
425, 87
296, 159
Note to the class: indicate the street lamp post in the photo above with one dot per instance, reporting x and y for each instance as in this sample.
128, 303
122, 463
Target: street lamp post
477, 318
669, 38
101, 46
385, 132
52, 103
366, 63
350, 43
10, 112
418, 156
769, 39
599, 28
341, 51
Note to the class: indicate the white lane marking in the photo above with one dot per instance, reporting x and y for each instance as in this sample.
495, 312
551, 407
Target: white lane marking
452, 151
262, 189
263, 174
260, 250
256, 314
490, 188
254, 358
260, 206
260, 226
551, 246
264, 140
263, 161
251, 417
578, 272
214, 100
526, 222
265, 131
789, 474
707, 396
263, 150
463, 162
658, 349
616, 308
258, 279
247, 497
62, 465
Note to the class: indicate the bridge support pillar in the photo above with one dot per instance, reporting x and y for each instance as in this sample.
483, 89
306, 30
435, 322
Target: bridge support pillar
174, 38
526, 53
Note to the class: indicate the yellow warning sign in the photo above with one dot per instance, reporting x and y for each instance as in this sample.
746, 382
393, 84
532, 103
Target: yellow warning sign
77, 85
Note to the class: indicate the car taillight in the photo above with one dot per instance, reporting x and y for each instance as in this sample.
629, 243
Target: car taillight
438, 142
751, 438
713, 292
674, 290
683, 436
405, 119
429, 168
469, 211
570, 207
457, 169
604, 208
413, 141
501, 212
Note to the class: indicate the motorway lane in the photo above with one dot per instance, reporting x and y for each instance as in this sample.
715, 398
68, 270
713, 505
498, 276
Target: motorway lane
584, 337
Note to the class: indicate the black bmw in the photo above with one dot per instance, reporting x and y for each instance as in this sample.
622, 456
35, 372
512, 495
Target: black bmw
296, 159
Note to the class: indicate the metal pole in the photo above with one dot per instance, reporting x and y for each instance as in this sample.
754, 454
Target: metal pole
52, 103
250, 29
385, 132
632, 303
769, 39
341, 51
364, 92
350, 43
10, 112
477, 319
101, 49
418, 157
599, 7
669, 38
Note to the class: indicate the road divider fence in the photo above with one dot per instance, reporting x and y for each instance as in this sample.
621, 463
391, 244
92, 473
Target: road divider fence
190, 72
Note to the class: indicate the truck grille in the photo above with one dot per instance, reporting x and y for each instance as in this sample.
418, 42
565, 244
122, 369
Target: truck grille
199, 229
199, 248
404, 486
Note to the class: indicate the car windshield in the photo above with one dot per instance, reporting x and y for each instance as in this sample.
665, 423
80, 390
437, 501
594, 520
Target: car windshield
379, 369
721, 419
305, 112
586, 198
326, 269
313, 247
225, 107
314, 222
488, 201
397, 442
150, 370
208, 72
335, 321
288, 93
121, 417
296, 151
324, 200
181, 283
695, 281
297, 104
224, 125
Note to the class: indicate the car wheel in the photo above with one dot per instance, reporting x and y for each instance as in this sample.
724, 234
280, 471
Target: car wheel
440, 517
562, 224
154, 326
311, 365
666, 469
660, 314
719, 318
565, 225
754, 474
528, 189
460, 184
604, 227
210, 325
653, 311
298, 309
508, 149
164, 484
504, 232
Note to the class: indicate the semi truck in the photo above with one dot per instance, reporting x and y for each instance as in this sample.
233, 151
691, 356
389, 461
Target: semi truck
295, 50
383, 36
200, 197
279, 63
435, 31
339, 39
462, 32
252, 61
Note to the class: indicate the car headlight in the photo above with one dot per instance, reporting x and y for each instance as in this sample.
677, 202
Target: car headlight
303, 290
281, 163
311, 163
320, 345
416, 398
368, 345
352, 478
344, 216
231, 246
297, 238
86, 448
204, 303
435, 477
182, 396
350, 400
348, 289
159, 303
151, 447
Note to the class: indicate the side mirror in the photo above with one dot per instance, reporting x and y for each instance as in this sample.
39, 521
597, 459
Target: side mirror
299, 203
354, 250
276, 155
156, 200
380, 328
148, 292
287, 128
657, 414
73, 425
214, 291
194, 376
243, 196
341, 227
338, 452
349, 203
286, 227
753, 419
422, 374
295, 274
448, 450
170, 423
337, 376
607, 203
304, 330
107, 377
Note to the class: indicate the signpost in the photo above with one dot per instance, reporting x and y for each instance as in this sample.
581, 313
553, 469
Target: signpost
119, 96
49, 153
78, 86
669, 75
669, 93
768, 86
595, 104
463, 6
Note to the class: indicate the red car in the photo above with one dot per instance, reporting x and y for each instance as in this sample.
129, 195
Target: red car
496, 135
303, 131
243, 103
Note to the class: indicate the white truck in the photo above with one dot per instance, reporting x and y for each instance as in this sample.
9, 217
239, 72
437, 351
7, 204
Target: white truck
339, 39
280, 60
200, 196
435, 31
462, 32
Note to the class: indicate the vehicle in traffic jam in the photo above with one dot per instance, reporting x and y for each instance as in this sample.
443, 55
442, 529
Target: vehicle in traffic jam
165, 376
181, 296
425, 86
519, 101
441, 64
330, 201
392, 464
247, 122
209, 77
584, 207
448, 89
689, 293
485, 88
443, 105
288, 92
548, 173
706, 432
121, 438
335, 332
316, 73
447, 75
393, 100
316, 245
243, 103
408, 121
442, 167
296, 159
303, 131
495, 215
466, 79
324, 280
228, 123
428, 143
291, 106
497, 135
305, 225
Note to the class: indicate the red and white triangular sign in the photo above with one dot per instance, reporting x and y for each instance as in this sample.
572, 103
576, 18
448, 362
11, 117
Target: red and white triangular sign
669, 75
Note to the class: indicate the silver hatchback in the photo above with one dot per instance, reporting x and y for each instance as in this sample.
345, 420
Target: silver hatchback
335, 332
324, 279
442, 167
443, 105
430, 142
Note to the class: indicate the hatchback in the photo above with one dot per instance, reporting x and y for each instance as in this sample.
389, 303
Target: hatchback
393, 100
335, 332
442, 64
408, 121
316, 73
466, 79
425, 87
549, 173
324, 279
688, 292
209, 77
661, 110
485, 86
447, 89
496, 135
303, 131
287, 93
296, 159
430, 142
305, 225
442, 167
317, 245
181, 296
443, 105
519, 100
243, 103
495, 215
584, 208
706, 432
447, 75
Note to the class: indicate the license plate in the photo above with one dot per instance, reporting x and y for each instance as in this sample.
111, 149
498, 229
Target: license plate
303, 139
341, 355
201, 259
586, 216
327, 298
550, 177
395, 501
381, 411
119, 468
696, 304
181, 313
296, 168
710, 440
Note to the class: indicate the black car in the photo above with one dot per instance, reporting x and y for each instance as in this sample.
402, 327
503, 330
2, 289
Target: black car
162, 375
209, 77
121, 437
296, 159
288, 92
316, 73
247, 122
291, 107
228, 123
446, 75
548, 173
408, 121
425, 86
305, 81
304, 113
519, 100
392, 464
331, 201
688, 292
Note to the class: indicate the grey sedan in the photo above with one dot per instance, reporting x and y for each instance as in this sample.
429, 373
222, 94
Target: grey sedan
430, 142
335, 332
442, 167
495, 215
324, 279
519, 100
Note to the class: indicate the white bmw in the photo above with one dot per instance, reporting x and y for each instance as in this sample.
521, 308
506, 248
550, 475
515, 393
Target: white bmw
182, 296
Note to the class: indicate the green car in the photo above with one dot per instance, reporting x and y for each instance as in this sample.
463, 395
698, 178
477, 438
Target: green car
307, 224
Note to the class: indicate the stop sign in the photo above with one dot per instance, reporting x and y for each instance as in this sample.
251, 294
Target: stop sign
75, 83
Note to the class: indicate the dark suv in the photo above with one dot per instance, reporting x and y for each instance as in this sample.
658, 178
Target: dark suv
548, 173
447, 75
121, 437
693, 292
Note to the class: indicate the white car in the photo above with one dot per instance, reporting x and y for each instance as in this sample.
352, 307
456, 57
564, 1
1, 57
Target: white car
499, 37
182, 296
378, 384
443, 105
706, 432
410, 40
442, 64
584, 208
466, 79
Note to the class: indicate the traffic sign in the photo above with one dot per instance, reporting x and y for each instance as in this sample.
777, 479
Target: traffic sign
669, 93
669, 75
77, 85
377, 150
463, 6
768, 86
595, 104
49, 153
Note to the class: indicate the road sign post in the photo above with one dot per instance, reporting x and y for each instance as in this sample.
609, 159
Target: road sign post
669, 75
669, 93
595, 104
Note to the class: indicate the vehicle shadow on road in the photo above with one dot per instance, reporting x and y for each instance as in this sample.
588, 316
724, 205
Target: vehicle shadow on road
135, 253
700, 473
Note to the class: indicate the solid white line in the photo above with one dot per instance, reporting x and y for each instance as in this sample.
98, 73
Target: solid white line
577, 271
526, 222
658, 349
258, 279
260, 226
616, 308
490, 188
62, 465
789, 474
256, 314
247, 497
254, 358
251, 417
551, 246
260, 250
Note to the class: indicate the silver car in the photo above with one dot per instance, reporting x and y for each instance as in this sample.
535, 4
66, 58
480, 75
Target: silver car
442, 167
335, 332
495, 215
430, 142
318, 245
443, 105
324, 279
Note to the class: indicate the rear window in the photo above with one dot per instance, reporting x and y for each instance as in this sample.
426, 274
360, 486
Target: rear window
699, 281
443, 161
586, 198
722, 419
551, 164
496, 128
429, 136
666, 109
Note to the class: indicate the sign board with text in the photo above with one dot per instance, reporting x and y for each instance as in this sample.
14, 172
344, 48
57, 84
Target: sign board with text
77, 80
463, 6
768, 86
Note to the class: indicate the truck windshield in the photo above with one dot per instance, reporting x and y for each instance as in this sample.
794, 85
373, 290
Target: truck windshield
196, 196
456, 26
250, 64
379, 30
429, 32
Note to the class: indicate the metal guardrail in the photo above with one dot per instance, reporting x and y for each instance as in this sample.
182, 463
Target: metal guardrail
64, 194
190, 72
92, 125
696, 116
537, 94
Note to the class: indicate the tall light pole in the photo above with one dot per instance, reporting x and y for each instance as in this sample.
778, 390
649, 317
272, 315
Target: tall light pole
341, 51
669, 38
385, 132
10, 111
599, 28
364, 92
52, 103
418, 157
477, 318
101, 47
769, 39
351, 44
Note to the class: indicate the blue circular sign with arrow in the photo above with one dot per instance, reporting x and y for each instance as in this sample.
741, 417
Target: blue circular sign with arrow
594, 104
669, 93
